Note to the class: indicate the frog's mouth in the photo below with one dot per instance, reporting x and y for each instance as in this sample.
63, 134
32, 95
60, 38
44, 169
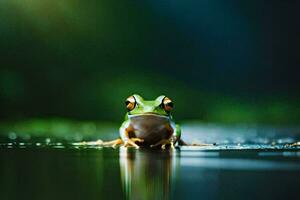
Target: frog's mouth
148, 114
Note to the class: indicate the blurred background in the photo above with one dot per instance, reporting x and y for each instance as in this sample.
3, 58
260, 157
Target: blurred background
231, 68
220, 61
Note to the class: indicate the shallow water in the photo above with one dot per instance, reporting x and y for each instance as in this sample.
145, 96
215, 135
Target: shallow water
246, 163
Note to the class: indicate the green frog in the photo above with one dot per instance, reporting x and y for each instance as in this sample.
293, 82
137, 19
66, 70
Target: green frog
148, 123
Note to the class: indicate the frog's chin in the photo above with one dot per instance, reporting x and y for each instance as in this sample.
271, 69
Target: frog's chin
148, 114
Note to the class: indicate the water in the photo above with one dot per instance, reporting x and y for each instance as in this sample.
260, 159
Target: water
246, 163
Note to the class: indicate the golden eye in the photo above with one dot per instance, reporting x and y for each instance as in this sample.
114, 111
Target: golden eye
130, 103
167, 104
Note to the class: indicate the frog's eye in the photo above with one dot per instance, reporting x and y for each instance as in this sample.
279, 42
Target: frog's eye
167, 104
130, 103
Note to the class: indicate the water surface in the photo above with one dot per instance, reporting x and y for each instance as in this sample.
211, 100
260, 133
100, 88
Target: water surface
245, 163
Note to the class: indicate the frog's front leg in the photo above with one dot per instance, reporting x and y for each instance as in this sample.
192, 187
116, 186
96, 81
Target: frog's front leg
125, 129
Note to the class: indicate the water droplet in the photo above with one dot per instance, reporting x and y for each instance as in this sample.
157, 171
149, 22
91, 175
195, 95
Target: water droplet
12, 135
48, 140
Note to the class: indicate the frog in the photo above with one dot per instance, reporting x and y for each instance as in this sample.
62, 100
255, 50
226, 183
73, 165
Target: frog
148, 123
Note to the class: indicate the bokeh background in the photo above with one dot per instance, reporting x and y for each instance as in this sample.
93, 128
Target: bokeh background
219, 60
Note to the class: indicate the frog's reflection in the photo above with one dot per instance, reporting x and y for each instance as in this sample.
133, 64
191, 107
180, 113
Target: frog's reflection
148, 174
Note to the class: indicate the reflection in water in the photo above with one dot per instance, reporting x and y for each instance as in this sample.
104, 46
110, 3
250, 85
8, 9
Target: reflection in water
148, 174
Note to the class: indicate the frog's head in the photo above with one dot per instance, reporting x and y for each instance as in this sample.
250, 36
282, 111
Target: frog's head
161, 106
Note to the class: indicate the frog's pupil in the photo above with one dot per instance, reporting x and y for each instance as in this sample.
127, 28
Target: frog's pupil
127, 102
170, 104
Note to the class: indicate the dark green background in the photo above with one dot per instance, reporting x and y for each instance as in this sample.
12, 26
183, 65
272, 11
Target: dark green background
224, 61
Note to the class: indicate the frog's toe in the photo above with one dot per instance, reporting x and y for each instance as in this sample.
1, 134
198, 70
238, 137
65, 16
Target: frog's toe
172, 145
163, 143
137, 139
130, 143
130, 146
113, 143
116, 144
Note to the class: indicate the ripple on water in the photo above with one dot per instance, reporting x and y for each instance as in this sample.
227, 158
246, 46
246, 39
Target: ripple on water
97, 145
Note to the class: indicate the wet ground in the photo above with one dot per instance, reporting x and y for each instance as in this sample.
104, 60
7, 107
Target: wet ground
247, 162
